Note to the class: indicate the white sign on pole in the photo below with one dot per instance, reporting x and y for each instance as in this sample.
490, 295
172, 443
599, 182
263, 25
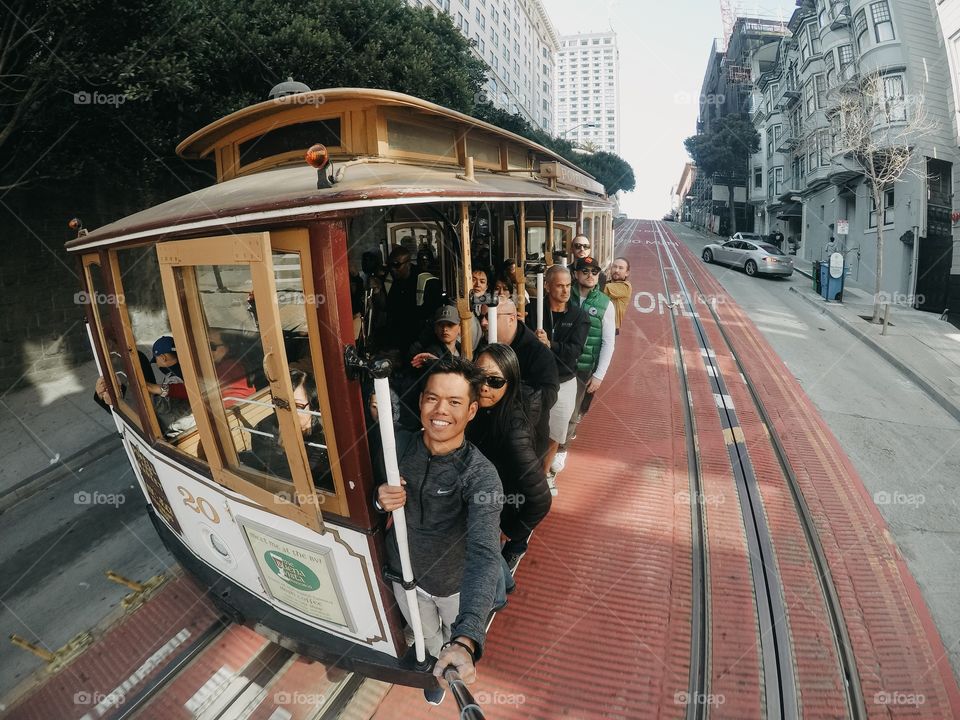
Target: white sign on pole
843, 227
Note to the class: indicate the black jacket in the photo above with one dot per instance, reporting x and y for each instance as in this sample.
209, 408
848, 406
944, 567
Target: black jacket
538, 373
526, 493
567, 332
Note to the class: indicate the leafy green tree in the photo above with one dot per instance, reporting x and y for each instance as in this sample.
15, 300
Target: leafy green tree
610, 170
725, 152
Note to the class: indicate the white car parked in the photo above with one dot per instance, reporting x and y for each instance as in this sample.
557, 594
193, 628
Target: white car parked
750, 252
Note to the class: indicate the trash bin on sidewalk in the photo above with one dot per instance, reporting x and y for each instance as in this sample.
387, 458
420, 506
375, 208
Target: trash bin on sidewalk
816, 276
833, 276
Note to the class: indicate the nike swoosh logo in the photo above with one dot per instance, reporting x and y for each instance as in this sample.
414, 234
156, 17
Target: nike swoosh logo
441, 492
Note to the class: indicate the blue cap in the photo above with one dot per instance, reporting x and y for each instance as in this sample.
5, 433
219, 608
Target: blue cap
163, 346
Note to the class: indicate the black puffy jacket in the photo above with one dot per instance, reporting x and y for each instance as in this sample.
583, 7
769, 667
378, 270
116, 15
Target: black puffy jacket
526, 493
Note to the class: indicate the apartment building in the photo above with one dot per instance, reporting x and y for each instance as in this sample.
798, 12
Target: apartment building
727, 90
519, 44
588, 90
801, 185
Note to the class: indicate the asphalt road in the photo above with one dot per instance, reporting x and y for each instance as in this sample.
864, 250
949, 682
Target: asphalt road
55, 549
905, 446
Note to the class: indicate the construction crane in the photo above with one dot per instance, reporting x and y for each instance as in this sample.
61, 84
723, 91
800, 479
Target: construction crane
729, 16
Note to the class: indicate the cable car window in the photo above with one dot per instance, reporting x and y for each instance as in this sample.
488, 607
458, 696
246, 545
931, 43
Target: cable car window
289, 139
144, 314
233, 383
112, 342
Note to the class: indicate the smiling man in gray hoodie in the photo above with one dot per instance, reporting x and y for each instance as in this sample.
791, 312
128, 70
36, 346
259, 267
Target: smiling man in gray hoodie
453, 498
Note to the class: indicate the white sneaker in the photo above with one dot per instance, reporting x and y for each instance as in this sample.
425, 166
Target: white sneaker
552, 484
559, 462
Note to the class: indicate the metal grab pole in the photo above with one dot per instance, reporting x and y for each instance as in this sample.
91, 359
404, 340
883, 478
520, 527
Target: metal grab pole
540, 301
381, 387
469, 710
101, 373
491, 324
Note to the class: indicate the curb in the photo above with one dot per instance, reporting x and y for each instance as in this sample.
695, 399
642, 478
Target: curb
928, 387
68, 466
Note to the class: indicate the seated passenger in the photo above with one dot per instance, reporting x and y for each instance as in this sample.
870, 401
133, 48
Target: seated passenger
170, 397
268, 453
453, 499
232, 376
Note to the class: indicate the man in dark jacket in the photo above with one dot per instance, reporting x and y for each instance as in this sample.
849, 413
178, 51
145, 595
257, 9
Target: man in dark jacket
538, 370
565, 329
453, 519
403, 315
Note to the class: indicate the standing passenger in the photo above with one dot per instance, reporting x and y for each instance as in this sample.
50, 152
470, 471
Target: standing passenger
618, 288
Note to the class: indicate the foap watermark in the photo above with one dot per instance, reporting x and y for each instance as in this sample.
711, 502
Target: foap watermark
98, 98
886, 697
495, 697
98, 498
299, 498
647, 302
686, 698
293, 297
685, 498
286, 698
685, 98
96, 298
304, 98
102, 701
898, 498
899, 298
485, 498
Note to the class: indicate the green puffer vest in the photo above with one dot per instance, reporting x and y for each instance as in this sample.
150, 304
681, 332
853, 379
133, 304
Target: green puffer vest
594, 305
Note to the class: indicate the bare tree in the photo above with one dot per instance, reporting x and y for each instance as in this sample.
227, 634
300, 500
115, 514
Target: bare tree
877, 126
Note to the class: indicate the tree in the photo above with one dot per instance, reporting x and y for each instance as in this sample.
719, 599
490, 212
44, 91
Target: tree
725, 152
113, 88
610, 170
877, 127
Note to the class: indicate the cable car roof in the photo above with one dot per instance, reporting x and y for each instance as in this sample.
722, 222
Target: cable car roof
291, 192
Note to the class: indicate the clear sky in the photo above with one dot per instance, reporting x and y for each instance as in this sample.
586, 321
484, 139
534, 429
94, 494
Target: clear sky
664, 48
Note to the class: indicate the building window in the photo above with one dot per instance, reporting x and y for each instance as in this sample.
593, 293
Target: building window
821, 85
824, 147
845, 54
882, 22
893, 98
888, 217
814, 39
809, 97
860, 28
830, 65
778, 180
757, 177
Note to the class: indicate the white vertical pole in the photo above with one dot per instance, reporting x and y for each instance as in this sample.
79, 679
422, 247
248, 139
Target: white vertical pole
491, 324
540, 301
381, 387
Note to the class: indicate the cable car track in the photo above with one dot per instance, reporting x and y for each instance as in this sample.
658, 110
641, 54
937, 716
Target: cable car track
780, 682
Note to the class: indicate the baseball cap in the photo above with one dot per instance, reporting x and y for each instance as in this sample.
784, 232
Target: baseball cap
164, 345
585, 263
447, 314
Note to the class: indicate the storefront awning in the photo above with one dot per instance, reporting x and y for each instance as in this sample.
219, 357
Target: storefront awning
790, 210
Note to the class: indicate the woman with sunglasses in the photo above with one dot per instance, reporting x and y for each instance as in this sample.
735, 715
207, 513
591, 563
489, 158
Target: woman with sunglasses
502, 432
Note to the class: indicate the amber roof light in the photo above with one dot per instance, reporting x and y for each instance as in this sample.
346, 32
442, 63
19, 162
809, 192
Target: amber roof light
317, 156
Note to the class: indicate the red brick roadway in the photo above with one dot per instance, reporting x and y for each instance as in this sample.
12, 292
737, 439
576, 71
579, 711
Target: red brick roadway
600, 625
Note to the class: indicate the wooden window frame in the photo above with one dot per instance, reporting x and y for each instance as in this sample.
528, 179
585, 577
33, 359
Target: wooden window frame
253, 250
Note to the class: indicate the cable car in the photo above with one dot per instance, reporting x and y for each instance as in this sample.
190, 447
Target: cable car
224, 325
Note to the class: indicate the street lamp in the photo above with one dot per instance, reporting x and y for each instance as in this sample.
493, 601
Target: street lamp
575, 127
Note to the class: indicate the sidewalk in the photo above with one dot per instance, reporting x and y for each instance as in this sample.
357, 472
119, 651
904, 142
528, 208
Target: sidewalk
49, 431
920, 345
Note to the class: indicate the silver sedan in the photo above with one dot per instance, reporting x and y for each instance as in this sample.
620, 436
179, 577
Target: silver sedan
756, 258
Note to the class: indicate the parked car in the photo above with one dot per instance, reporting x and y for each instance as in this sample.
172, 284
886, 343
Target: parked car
669, 217
752, 253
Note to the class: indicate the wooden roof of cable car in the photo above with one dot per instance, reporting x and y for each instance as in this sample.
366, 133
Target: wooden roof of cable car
288, 187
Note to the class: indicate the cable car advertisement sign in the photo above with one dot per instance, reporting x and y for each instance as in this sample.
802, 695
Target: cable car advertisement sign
298, 574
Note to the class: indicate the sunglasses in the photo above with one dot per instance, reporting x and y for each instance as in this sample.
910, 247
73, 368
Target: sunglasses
494, 381
592, 271
581, 246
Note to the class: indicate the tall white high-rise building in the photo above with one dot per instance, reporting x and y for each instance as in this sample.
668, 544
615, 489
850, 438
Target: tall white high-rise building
519, 44
588, 90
